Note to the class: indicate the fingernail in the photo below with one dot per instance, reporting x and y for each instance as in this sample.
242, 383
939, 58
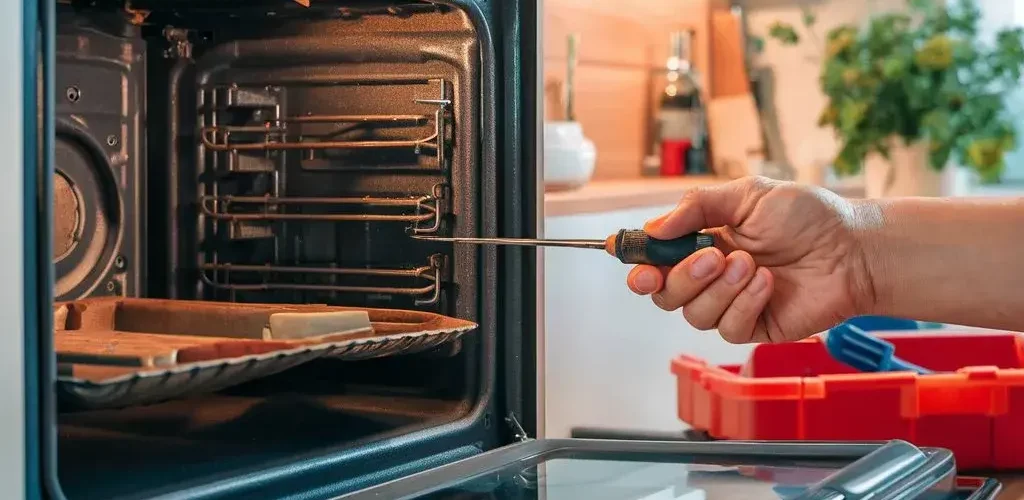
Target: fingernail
645, 281
758, 283
736, 270
705, 265
655, 222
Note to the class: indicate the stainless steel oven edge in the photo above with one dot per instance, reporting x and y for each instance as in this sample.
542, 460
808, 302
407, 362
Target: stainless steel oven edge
539, 152
895, 470
18, 197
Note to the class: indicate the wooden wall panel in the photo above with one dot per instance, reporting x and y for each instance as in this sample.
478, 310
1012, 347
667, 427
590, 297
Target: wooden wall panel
609, 116
619, 44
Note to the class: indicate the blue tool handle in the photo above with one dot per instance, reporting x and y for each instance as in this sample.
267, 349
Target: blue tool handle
901, 365
850, 345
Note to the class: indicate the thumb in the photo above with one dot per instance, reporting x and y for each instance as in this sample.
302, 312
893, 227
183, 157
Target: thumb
708, 207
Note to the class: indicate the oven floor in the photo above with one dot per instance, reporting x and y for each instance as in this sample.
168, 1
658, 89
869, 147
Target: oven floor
113, 453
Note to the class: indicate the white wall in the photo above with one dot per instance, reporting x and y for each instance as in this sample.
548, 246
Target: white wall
607, 350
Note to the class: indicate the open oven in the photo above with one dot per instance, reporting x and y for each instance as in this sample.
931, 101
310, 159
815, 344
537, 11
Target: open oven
275, 155
280, 152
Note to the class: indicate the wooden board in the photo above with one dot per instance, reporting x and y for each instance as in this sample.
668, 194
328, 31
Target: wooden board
734, 128
729, 74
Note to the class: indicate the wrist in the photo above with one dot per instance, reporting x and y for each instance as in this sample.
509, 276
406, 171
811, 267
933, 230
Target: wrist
874, 275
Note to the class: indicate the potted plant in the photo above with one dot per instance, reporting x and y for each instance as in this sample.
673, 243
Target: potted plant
910, 92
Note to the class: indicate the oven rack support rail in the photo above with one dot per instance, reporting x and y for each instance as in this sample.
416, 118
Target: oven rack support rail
427, 279
423, 213
275, 132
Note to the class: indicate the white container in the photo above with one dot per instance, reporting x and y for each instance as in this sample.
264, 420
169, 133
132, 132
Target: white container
908, 173
569, 157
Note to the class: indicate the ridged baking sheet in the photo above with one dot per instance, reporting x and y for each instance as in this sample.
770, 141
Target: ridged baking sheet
400, 332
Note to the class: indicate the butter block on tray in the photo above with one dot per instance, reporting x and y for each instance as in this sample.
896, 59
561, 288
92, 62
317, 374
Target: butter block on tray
317, 325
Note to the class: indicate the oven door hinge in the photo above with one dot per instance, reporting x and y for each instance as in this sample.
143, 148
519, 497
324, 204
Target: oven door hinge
517, 429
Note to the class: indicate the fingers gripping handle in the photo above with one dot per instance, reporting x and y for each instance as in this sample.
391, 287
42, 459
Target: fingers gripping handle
634, 246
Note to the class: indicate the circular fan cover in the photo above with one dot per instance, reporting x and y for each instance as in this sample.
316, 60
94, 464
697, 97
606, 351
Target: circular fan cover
86, 219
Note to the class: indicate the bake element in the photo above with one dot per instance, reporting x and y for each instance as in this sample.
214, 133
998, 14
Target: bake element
304, 325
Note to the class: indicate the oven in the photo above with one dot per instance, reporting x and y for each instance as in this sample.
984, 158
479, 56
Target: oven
280, 152
198, 165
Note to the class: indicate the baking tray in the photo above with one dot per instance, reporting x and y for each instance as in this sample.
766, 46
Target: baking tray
86, 386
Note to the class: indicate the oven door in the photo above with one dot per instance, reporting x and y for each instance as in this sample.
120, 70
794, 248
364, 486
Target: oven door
607, 469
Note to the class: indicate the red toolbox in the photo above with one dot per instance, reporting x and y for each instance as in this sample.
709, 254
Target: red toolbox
797, 391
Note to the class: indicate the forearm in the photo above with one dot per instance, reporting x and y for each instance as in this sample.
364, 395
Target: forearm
948, 261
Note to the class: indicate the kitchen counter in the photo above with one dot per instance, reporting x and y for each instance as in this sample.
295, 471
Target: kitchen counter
622, 194
625, 194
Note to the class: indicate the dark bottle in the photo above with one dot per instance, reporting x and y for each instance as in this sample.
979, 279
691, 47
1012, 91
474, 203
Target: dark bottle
679, 112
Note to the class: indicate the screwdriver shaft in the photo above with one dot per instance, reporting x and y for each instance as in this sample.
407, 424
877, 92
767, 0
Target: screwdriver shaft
630, 246
529, 242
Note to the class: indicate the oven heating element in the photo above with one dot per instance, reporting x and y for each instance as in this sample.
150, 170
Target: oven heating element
244, 131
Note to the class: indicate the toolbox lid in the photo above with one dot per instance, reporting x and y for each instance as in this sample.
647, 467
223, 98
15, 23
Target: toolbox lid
650, 470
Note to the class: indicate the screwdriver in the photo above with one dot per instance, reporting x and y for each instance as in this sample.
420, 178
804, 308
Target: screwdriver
630, 246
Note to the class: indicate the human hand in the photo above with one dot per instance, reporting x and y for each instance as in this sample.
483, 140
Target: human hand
787, 261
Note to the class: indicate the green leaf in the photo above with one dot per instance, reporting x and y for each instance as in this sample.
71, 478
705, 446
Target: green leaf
893, 68
808, 16
755, 44
920, 5
850, 159
784, 33
1007, 60
851, 114
938, 158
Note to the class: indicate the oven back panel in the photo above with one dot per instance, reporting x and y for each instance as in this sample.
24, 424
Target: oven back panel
308, 151
99, 175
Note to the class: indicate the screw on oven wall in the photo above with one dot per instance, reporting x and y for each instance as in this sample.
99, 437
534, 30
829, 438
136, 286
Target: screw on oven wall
119, 262
111, 140
111, 286
73, 94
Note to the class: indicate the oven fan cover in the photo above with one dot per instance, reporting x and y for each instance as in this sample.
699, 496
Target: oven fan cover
87, 215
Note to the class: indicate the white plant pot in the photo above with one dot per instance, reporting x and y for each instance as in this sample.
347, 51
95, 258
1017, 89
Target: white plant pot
908, 173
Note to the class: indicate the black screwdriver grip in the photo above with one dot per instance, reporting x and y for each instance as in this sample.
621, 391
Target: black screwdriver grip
634, 246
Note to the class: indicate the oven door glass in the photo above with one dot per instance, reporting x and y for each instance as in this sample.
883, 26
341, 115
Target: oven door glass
634, 470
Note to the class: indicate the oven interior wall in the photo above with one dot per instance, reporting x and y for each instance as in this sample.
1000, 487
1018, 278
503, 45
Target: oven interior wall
288, 155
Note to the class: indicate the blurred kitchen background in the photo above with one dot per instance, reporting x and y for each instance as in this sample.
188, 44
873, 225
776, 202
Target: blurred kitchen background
645, 99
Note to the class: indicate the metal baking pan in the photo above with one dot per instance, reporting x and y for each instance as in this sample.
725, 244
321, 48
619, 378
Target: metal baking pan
116, 382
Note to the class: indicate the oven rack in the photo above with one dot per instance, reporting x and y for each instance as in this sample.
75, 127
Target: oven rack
423, 213
425, 281
278, 133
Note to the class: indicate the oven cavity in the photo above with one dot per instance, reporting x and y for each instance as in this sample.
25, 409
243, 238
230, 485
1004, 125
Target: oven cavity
318, 147
257, 143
